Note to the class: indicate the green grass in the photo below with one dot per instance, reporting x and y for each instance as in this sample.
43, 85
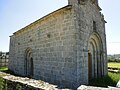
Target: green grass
6, 70
114, 65
110, 80
3, 68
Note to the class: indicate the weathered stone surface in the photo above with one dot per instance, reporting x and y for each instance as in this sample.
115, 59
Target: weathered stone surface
118, 84
83, 87
27, 83
66, 47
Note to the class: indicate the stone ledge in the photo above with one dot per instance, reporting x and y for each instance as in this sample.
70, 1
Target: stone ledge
27, 83
83, 87
118, 84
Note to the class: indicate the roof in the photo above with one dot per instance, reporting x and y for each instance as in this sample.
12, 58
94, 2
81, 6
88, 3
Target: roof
37, 21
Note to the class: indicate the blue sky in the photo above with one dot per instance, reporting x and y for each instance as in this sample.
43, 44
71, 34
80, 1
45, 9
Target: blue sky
16, 14
112, 16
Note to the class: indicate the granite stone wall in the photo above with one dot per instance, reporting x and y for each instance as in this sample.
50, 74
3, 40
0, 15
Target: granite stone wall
52, 42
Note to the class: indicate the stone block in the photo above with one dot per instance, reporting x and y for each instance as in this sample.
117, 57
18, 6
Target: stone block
118, 84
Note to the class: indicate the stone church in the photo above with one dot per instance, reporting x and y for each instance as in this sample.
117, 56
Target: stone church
66, 47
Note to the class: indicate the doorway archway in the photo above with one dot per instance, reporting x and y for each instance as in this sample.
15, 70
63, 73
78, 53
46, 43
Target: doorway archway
29, 65
95, 57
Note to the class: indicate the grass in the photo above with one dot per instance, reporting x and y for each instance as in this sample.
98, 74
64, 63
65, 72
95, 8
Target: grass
114, 65
110, 80
6, 70
3, 68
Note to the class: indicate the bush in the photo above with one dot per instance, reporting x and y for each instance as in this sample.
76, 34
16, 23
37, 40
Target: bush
1, 83
113, 60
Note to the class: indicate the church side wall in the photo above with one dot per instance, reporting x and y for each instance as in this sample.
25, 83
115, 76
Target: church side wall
53, 48
56, 61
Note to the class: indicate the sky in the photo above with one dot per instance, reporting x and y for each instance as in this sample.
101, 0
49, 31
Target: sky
16, 14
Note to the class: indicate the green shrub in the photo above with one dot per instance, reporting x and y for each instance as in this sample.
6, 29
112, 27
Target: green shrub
1, 83
18, 87
3, 68
6, 70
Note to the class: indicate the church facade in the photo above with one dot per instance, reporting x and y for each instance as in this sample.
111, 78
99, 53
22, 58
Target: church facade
66, 47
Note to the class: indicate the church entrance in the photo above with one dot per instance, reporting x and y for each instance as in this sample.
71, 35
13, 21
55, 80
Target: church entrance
29, 63
95, 61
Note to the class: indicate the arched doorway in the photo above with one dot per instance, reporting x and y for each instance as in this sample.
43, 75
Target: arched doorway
95, 66
29, 67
